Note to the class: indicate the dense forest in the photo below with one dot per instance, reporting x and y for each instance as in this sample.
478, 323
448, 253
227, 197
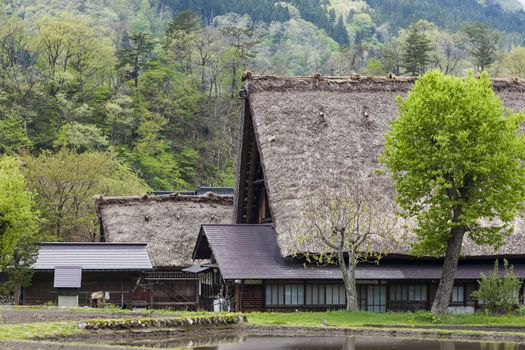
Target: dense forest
129, 96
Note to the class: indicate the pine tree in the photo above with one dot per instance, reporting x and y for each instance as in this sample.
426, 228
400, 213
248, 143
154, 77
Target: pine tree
482, 43
135, 57
416, 49
340, 33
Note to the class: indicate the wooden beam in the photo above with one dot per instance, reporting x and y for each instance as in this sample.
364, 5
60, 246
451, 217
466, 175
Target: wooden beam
251, 177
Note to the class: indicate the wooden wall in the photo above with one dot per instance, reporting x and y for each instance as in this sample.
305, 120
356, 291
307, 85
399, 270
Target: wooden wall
118, 284
252, 297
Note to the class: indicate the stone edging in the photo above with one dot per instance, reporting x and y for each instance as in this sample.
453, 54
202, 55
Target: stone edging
162, 322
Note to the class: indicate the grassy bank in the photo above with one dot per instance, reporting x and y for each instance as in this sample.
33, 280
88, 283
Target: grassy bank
360, 319
24, 331
357, 320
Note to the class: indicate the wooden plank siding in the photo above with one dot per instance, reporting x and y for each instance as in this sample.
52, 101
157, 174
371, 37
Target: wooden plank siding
118, 284
252, 298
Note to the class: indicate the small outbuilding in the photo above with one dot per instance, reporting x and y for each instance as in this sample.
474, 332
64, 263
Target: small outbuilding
169, 224
66, 274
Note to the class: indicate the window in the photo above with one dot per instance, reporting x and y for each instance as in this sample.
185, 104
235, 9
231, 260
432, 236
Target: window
284, 294
325, 294
458, 294
416, 293
376, 298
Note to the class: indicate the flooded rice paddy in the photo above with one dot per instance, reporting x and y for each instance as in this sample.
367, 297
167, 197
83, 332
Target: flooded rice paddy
323, 343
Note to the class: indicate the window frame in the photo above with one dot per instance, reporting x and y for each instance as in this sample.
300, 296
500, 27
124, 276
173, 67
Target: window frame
286, 294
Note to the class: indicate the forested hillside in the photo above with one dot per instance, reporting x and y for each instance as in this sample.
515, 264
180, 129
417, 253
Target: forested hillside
127, 96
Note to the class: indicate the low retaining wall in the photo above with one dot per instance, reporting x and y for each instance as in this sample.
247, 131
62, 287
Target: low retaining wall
162, 322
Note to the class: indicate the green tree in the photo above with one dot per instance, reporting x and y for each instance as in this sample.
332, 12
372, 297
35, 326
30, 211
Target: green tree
134, 58
74, 58
12, 137
457, 160
416, 49
340, 32
499, 294
19, 227
81, 138
65, 184
482, 43
374, 66
181, 37
514, 62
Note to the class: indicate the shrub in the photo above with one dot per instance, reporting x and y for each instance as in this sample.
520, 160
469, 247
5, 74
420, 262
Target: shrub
500, 294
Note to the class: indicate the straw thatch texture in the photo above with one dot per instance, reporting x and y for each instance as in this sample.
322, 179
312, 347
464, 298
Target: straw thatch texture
168, 224
314, 131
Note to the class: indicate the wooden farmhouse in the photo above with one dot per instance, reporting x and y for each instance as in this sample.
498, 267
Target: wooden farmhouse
169, 224
297, 135
66, 274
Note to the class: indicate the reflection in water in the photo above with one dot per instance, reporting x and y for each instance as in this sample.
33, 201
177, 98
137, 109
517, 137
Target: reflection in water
326, 343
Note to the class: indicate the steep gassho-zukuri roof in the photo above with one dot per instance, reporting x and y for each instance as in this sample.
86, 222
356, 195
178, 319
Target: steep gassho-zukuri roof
168, 224
314, 130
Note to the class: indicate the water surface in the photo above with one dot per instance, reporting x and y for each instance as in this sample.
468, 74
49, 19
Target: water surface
325, 343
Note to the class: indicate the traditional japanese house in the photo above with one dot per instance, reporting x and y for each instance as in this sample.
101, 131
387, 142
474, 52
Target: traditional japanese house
169, 224
297, 135
67, 273
247, 266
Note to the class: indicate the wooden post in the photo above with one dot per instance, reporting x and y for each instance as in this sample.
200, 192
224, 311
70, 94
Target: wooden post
150, 295
238, 298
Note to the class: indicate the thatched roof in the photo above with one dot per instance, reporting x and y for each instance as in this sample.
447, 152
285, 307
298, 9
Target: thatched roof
168, 224
313, 130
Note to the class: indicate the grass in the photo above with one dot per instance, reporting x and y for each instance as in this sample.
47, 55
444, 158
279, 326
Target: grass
111, 309
24, 331
298, 319
360, 319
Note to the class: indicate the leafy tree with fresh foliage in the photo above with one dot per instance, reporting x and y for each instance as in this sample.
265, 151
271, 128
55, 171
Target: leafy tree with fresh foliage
19, 228
499, 294
457, 160
65, 184
81, 138
482, 44
416, 50
514, 62
13, 139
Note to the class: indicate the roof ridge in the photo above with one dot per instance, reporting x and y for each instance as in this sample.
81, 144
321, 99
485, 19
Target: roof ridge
351, 83
176, 197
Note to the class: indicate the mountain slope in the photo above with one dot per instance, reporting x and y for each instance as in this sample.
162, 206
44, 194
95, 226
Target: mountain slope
449, 14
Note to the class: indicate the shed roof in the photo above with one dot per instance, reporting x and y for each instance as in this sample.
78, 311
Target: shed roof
93, 256
252, 252
169, 224
67, 277
313, 131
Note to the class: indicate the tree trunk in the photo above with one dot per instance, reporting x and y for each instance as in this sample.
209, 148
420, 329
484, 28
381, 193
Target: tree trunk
349, 282
448, 274
17, 290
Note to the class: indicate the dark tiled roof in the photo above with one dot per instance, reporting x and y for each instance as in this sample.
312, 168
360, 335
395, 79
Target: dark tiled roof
201, 190
93, 256
251, 252
221, 191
